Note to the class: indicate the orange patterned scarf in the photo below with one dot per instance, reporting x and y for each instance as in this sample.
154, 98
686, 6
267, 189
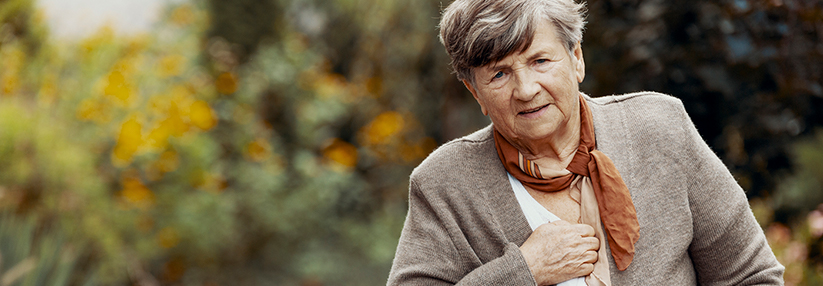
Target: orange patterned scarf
614, 200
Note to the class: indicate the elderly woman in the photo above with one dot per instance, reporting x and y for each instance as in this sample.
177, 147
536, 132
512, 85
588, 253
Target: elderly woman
564, 188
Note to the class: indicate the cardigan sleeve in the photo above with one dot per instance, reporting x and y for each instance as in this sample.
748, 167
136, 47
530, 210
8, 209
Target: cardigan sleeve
427, 253
728, 246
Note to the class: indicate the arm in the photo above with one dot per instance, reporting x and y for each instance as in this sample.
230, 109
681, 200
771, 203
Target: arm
427, 253
728, 247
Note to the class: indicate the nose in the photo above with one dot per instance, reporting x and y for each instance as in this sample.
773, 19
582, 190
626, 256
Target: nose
527, 85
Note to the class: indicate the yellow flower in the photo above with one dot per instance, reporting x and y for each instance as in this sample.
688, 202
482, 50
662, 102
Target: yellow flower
135, 193
201, 115
341, 154
93, 110
158, 137
128, 141
383, 127
171, 65
174, 122
118, 88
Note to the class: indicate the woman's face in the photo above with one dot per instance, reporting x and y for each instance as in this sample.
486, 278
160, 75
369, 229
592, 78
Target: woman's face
531, 95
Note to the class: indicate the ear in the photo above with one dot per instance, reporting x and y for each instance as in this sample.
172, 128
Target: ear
580, 64
476, 96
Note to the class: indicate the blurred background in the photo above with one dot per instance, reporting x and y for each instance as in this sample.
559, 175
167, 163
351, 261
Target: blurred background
269, 142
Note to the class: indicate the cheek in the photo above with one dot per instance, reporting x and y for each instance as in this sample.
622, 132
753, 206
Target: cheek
570, 105
499, 115
496, 103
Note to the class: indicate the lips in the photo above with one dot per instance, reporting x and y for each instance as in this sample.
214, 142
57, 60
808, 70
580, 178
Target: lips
533, 110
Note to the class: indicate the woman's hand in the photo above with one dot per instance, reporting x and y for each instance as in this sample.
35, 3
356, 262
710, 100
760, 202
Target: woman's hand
559, 251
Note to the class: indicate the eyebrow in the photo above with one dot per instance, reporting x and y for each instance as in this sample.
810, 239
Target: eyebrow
496, 66
537, 54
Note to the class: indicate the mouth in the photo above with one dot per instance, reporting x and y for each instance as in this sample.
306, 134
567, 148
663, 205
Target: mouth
532, 110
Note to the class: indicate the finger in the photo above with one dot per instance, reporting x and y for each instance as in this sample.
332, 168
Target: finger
585, 269
590, 256
585, 230
591, 243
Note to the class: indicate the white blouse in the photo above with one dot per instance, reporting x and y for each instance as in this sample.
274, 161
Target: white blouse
537, 215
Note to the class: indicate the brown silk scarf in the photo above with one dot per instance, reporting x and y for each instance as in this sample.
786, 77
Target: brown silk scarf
614, 201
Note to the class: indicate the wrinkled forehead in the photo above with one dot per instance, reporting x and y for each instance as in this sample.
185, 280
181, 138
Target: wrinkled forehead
545, 42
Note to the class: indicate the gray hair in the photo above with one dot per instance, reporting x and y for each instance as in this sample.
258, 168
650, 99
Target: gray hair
479, 32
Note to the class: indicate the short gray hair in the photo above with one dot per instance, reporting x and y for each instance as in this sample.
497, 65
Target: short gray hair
479, 32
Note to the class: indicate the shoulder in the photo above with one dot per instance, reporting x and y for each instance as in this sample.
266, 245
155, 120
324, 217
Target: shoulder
633, 97
639, 104
461, 175
457, 158
643, 127
647, 112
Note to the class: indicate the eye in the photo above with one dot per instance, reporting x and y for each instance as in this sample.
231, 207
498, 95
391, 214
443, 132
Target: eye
499, 74
542, 65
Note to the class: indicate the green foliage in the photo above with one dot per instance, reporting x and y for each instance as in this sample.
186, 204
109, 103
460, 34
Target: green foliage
32, 257
803, 191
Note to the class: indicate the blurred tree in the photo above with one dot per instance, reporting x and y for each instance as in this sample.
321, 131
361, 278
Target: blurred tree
18, 21
244, 23
327, 104
748, 71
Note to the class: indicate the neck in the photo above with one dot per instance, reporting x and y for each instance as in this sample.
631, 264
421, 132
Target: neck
554, 153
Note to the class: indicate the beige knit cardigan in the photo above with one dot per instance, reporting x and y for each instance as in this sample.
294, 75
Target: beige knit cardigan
464, 225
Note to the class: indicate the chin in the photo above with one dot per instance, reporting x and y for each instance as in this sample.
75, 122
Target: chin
545, 129
534, 135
